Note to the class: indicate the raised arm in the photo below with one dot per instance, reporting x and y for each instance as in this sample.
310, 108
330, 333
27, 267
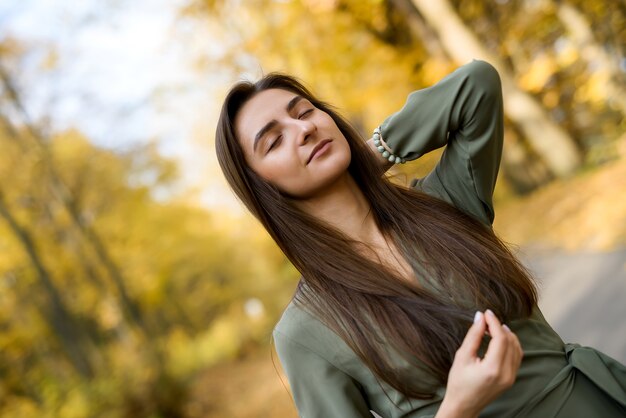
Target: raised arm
319, 388
463, 111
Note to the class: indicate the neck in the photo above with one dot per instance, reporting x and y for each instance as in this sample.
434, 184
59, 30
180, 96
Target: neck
344, 206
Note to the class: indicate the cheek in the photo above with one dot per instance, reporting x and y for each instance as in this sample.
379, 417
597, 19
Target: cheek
284, 171
287, 178
292, 177
280, 169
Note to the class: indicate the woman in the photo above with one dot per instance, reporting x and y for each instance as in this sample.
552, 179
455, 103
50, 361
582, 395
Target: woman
393, 277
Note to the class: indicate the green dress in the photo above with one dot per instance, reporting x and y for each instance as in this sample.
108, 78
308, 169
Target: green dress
464, 112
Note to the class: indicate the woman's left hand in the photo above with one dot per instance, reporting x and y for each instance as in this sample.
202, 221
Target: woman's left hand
473, 382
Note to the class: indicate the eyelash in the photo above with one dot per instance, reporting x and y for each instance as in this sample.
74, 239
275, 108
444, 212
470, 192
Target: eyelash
306, 112
274, 143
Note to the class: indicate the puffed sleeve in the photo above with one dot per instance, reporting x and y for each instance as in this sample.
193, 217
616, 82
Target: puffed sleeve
319, 388
463, 111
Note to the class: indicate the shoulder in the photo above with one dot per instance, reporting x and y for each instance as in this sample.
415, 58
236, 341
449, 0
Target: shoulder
299, 331
296, 326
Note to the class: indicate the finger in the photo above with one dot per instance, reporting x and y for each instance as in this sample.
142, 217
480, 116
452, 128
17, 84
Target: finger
512, 360
518, 347
474, 337
493, 324
516, 352
514, 341
499, 344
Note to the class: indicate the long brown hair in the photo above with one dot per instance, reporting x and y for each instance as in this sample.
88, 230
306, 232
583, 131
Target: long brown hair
460, 264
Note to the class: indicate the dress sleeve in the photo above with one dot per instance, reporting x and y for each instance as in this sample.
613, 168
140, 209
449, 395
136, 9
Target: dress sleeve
463, 111
319, 388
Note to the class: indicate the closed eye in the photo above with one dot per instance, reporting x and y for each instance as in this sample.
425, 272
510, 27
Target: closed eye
306, 112
274, 143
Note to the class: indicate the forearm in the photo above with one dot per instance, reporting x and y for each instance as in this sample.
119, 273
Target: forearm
465, 106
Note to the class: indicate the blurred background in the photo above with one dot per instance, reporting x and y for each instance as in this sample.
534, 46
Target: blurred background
134, 284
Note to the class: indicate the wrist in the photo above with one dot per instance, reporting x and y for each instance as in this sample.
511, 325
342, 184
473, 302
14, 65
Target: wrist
449, 409
384, 162
384, 149
384, 144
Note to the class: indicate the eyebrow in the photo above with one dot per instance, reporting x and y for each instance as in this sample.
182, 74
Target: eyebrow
271, 124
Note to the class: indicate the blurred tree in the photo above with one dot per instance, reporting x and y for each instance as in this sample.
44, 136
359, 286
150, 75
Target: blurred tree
604, 65
549, 140
523, 169
417, 38
86, 230
61, 193
58, 316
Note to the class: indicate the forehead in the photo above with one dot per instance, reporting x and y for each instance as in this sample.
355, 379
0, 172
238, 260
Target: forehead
259, 110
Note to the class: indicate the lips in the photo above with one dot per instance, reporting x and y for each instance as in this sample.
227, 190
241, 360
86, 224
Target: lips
317, 148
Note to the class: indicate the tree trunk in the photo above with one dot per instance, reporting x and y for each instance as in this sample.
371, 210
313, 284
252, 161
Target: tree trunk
420, 30
522, 172
550, 141
59, 318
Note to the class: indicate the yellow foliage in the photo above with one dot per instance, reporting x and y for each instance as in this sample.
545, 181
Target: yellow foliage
537, 74
551, 99
434, 70
220, 342
568, 55
108, 313
595, 88
317, 6
19, 406
75, 405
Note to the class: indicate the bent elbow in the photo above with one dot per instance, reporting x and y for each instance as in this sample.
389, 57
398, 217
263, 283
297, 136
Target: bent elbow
485, 78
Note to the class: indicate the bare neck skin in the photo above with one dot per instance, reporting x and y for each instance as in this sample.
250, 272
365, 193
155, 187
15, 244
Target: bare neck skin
344, 206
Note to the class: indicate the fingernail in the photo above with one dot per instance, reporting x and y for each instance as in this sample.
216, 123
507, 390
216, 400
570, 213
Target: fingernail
489, 312
478, 316
506, 328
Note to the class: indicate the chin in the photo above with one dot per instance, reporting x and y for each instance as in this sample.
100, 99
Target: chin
324, 176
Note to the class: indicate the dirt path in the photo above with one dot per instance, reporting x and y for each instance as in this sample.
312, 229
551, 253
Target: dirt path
583, 295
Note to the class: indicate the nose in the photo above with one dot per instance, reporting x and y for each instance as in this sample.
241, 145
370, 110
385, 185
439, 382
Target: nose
305, 130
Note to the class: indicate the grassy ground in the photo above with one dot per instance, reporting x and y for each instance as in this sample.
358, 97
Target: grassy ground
587, 211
